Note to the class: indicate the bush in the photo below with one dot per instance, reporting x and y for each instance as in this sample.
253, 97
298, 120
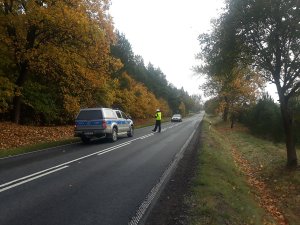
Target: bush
264, 119
211, 106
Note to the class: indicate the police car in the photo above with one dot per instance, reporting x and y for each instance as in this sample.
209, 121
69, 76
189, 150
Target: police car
102, 122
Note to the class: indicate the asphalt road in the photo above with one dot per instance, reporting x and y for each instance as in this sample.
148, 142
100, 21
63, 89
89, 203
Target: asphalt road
101, 183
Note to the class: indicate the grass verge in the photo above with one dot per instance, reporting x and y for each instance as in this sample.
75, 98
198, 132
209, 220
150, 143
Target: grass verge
241, 179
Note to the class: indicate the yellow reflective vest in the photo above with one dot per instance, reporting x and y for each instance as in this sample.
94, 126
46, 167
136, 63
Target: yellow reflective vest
158, 116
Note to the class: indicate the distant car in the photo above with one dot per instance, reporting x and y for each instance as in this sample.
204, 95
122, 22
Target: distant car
176, 118
102, 122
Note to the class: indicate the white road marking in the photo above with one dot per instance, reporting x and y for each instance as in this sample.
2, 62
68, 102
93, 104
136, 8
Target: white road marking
145, 136
114, 148
34, 176
28, 180
31, 175
53, 169
157, 188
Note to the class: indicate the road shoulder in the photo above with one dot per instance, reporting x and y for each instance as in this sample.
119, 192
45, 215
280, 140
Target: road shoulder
170, 208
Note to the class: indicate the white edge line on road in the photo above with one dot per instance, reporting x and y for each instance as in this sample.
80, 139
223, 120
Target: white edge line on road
63, 165
59, 167
77, 142
155, 190
31, 175
33, 178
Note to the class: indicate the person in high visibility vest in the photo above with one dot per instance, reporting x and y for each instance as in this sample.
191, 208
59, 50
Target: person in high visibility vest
157, 121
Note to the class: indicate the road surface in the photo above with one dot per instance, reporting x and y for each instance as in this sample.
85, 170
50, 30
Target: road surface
101, 183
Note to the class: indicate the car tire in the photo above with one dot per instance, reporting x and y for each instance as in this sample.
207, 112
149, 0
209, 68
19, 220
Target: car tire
85, 140
130, 132
114, 135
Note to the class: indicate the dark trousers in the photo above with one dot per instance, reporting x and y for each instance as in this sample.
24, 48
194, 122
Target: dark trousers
157, 125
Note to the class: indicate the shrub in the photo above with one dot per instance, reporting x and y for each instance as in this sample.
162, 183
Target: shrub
264, 119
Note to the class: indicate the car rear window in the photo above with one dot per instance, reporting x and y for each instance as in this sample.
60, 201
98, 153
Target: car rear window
90, 115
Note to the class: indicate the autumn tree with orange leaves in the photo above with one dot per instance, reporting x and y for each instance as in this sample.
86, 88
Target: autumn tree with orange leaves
134, 98
59, 49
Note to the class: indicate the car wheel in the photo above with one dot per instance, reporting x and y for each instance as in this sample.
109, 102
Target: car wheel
85, 140
130, 132
114, 135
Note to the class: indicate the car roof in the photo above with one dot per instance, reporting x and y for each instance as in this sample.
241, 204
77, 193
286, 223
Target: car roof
99, 108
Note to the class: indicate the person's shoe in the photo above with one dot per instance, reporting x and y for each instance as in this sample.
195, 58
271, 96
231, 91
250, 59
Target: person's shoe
154, 130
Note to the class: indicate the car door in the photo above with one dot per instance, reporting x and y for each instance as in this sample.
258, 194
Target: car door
121, 121
126, 121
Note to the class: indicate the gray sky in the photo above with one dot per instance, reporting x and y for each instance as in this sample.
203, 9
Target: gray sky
164, 32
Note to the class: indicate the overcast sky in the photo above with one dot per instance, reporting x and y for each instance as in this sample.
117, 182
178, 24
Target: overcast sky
164, 32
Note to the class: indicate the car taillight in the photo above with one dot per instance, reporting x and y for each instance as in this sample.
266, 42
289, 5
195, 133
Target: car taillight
104, 124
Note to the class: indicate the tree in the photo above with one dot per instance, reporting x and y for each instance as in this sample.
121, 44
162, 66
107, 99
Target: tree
264, 119
197, 103
270, 32
221, 57
65, 43
122, 50
135, 99
211, 106
228, 76
242, 90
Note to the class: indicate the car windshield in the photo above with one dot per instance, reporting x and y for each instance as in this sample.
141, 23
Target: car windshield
177, 115
90, 115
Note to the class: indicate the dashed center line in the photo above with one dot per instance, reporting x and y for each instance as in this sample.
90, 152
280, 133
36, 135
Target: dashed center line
24, 180
34, 176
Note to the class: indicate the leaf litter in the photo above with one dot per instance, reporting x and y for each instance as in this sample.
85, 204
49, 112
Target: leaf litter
13, 135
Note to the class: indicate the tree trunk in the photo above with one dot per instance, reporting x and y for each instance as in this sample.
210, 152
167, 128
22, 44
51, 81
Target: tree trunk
17, 101
23, 70
232, 121
225, 114
17, 109
289, 136
226, 110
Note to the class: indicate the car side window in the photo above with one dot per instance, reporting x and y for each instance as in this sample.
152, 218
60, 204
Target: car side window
124, 115
119, 114
109, 114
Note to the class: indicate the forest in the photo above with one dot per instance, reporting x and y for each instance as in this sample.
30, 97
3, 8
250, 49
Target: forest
58, 56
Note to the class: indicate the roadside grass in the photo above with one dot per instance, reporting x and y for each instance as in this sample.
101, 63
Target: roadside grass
268, 160
242, 179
